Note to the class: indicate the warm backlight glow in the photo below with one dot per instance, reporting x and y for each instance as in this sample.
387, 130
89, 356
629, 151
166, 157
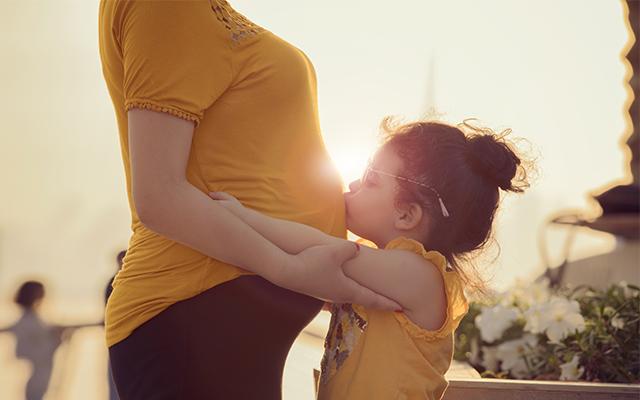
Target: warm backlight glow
350, 165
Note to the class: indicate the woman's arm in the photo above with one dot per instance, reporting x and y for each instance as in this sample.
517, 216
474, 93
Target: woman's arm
397, 274
168, 204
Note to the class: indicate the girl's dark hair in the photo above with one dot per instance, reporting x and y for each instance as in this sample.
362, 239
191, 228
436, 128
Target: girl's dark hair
29, 293
467, 165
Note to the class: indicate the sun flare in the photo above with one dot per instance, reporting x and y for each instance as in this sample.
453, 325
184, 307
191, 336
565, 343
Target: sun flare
350, 165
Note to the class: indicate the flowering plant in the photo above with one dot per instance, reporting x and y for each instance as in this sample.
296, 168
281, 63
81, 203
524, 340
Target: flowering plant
535, 332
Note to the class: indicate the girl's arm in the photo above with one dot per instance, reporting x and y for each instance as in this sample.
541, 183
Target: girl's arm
291, 237
397, 274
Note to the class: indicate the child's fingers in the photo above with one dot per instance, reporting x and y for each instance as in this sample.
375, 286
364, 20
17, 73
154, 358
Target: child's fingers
344, 251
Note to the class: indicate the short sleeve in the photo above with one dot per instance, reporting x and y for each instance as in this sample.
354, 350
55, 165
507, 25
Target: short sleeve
176, 56
457, 304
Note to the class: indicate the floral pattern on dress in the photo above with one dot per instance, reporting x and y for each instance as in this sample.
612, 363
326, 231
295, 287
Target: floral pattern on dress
237, 24
346, 327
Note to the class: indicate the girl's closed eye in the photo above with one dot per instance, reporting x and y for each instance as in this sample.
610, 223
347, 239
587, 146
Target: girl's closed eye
369, 178
368, 181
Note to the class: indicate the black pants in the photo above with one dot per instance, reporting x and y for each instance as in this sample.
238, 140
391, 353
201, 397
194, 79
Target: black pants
229, 342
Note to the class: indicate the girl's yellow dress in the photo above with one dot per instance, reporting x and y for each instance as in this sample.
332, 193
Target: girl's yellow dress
372, 354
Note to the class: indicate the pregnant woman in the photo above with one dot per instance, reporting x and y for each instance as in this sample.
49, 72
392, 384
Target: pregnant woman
204, 307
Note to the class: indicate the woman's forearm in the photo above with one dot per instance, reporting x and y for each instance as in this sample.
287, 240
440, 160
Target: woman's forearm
186, 215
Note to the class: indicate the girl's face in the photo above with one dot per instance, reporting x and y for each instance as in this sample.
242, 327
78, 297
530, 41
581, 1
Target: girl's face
370, 202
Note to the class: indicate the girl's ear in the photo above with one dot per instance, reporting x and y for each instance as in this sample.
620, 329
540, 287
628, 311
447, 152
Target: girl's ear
408, 216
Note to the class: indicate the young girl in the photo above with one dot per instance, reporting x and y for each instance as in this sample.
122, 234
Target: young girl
427, 200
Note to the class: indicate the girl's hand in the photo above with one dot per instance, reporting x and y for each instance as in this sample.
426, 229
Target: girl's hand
229, 202
317, 271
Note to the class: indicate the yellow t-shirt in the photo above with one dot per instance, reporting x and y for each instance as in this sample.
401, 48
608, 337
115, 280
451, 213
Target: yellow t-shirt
253, 98
372, 354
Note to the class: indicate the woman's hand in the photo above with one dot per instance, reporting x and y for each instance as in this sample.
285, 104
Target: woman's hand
317, 271
229, 202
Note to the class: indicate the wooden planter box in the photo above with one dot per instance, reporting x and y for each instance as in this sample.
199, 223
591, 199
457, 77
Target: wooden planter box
510, 389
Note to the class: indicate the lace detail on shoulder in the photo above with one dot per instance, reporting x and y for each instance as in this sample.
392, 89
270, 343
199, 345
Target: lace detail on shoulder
237, 24
457, 304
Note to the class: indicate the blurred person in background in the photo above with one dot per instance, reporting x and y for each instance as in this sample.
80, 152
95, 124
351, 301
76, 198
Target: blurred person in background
37, 340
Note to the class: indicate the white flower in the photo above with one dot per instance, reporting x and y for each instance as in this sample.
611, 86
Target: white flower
617, 322
533, 317
512, 296
537, 292
525, 293
519, 370
512, 354
493, 321
490, 358
559, 318
570, 370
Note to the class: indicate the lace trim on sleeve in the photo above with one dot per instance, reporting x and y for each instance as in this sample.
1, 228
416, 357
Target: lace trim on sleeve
155, 106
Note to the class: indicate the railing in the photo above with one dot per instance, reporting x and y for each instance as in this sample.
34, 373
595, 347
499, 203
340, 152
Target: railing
508, 389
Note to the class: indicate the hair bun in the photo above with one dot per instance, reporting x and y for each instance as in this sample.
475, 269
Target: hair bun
492, 157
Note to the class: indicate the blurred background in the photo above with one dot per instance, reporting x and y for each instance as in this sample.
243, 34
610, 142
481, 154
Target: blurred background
552, 71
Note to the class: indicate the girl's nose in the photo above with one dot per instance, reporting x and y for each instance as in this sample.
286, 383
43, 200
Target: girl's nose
354, 186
